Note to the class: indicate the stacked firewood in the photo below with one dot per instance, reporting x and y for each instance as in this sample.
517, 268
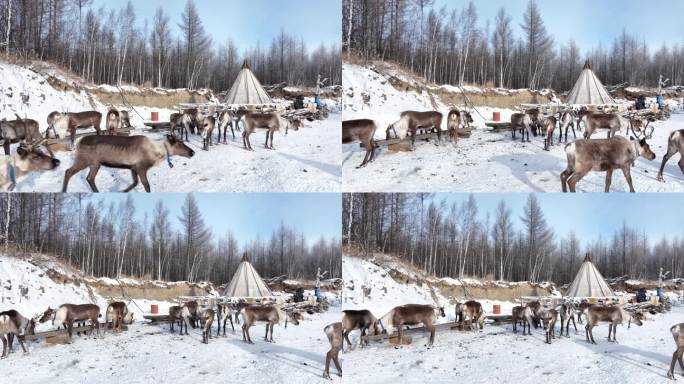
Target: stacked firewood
662, 307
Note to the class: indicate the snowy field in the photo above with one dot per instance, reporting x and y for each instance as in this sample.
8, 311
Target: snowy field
485, 162
496, 354
304, 161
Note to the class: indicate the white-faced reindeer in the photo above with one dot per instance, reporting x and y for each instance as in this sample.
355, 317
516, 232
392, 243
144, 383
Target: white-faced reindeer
457, 119
548, 125
227, 118
17, 167
412, 314
603, 155
13, 324
224, 314
613, 315
270, 314
363, 131
113, 121
334, 333
411, 121
524, 122
567, 120
67, 314
567, 314
677, 332
206, 319
362, 320
270, 122
118, 313
206, 130
472, 311
675, 143
550, 319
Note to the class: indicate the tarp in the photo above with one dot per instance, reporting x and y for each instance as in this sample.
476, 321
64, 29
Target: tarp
589, 282
246, 282
589, 90
247, 89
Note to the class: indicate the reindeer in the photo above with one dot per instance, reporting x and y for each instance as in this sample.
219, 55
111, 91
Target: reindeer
675, 143
455, 120
207, 317
28, 159
548, 124
225, 313
206, 130
363, 320
550, 325
113, 121
227, 118
20, 130
525, 315
567, 314
411, 121
523, 122
66, 314
334, 333
236, 308
124, 119
471, 310
613, 315
580, 310
18, 326
119, 314
137, 153
412, 314
567, 120
270, 314
361, 130
603, 155
180, 314
677, 332
271, 122
610, 121
193, 307
71, 122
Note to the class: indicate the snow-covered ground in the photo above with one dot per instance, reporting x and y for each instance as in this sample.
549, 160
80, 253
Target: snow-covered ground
304, 161
150, 353
496, 354
485, 162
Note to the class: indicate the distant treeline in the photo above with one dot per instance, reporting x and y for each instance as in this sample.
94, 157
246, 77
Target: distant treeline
454, 46
106, 46
110, 240
452, 240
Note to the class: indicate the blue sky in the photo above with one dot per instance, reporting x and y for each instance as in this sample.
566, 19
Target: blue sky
591, 214
249, 214
592, 22
249, 22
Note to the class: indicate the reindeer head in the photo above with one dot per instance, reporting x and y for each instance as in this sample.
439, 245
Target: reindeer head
468, 117
636, 318
47, 315
295, 124
30, 158
439, 311
177, 147
294, 317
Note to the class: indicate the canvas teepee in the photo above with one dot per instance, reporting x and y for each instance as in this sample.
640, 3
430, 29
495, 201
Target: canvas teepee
589, 90
246, 282
589, 282
247, 89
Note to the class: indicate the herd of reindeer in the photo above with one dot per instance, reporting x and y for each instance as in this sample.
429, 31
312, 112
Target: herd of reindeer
470, 315
616, 152
136, 153
14, 325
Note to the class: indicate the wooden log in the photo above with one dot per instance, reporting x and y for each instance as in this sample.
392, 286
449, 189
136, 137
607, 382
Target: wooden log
56, 333
410, 331
405, 340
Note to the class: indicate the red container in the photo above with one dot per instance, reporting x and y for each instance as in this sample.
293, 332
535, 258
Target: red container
496, 116
155, 116
154, 309
497, 307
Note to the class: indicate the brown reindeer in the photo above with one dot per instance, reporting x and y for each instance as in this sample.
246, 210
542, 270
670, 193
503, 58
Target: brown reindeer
548, 125
525, 315
603, 155
67, 314
610, 314
455, 119
358, 319
523, 122
13, 324
206, 130
118, 313
207, 318
675, 143
550, 324
227, 118
69, 123
677, 332
580, 310
113, 121
567, 314
137, 153
567, 120
472, 311
334, 333
124, 119
223, 314
270, 314
412, 314
180, 314
28, 159
20, 130
411, 121
610, 121
271, 122
363, 131
193, 307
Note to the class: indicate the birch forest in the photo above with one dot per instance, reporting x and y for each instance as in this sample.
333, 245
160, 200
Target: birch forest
111, 240
448, 45
111, 46
457, 240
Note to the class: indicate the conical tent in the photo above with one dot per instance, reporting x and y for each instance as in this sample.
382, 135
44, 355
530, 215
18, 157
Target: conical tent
246, 282
589, 90
589, 282
247, 89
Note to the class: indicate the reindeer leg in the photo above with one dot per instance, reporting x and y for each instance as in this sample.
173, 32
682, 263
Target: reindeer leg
91, 176
266, 335
628, 176
431, 328
670, 374
345, 336
143, 178
573, 132
609, 178
5, 349
336, 360
573, 324
681, 361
